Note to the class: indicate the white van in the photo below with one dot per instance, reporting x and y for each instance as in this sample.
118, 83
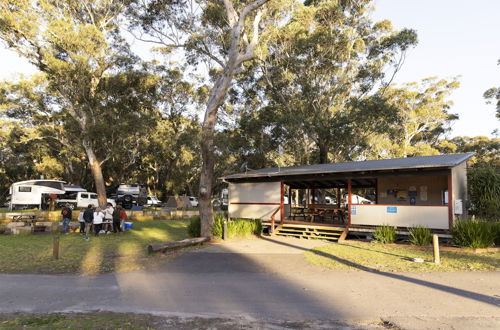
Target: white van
34, 193
81, 199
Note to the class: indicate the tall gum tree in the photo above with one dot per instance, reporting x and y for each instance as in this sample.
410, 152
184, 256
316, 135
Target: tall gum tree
224, 35
75, 43
326, 60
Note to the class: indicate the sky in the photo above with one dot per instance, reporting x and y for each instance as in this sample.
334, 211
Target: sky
456, 38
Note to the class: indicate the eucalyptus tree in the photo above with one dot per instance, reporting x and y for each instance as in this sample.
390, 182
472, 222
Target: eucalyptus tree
329, 58
422, 118
223, 34
76, 44
493, 94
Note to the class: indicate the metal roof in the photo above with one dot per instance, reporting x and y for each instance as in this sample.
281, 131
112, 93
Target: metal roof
440, 161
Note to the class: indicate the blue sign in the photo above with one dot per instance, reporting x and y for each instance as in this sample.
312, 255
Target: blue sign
353, 210
392, 209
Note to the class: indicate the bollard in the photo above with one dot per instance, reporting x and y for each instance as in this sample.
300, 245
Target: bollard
435, 244
224, 230
55, 247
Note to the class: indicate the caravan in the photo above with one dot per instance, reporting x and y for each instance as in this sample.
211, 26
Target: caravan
34, 193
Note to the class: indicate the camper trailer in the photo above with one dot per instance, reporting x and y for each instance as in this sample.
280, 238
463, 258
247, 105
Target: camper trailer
34, 193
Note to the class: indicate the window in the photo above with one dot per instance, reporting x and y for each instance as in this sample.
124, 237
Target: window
93, 196
50, 184
84, 195
24, 189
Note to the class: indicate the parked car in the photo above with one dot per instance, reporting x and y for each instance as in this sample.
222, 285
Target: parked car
80, 199
129, 195
154, 201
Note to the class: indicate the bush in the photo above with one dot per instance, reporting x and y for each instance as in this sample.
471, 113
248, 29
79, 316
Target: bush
194, 227
385, 234
484, 188
495, 229
420, 235
235, 228
473, 234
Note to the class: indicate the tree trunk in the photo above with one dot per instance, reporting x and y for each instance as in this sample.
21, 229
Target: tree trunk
323, 153
95, 168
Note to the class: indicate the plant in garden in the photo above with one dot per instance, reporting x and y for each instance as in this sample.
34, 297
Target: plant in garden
495, 229
385, 234
194, 227
420, 235
473, 234
484, 187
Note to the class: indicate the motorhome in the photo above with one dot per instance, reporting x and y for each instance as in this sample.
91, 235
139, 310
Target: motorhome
34, 193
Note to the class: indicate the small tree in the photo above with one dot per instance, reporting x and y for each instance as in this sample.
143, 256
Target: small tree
484, 189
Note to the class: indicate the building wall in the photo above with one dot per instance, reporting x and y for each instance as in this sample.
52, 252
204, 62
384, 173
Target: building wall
246, 200
434, 217
427, 189
459, 188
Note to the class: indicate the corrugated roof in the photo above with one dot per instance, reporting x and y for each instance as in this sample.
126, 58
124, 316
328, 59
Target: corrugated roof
440, 161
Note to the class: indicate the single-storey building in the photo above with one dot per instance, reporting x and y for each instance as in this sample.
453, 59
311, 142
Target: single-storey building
430, 191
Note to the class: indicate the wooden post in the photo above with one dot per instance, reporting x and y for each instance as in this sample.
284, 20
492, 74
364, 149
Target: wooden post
450, 201
282, 203
349, 201
376, 191
55, 247
339, 197
435, 244
224, 230
313, 202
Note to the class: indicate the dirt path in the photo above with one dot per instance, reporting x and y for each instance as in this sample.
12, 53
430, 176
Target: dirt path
268, 279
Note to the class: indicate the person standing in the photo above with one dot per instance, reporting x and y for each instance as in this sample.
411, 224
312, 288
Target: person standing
82, 223
116, 220
67, 213
123, 217
108, 217
88, 217
98, 218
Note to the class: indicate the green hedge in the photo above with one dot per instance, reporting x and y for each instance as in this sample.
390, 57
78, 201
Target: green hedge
484, 190
420, 235
235, 228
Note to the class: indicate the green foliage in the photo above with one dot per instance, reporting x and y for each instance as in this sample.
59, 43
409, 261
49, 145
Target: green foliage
473, 233
236, 228
194, 227
385, 234
484, 190
495, 229
420, 235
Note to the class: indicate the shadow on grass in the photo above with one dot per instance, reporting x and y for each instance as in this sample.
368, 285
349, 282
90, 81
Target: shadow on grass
445, 288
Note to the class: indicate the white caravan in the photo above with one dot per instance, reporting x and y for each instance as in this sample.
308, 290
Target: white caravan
33, 193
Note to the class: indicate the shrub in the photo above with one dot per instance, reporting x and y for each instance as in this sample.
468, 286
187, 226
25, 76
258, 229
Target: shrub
385, 234
194, 227
484, 188
218, 227
473, 234
420, 235
495, 229
235, 228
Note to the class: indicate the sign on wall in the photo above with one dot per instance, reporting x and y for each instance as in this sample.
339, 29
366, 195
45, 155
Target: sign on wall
392, 209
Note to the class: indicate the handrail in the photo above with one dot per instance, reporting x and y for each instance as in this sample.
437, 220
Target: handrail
272, 219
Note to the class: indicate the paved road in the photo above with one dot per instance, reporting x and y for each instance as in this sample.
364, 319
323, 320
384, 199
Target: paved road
268, 279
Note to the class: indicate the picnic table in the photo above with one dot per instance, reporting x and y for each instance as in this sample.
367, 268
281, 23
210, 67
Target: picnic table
28, 218
314, 213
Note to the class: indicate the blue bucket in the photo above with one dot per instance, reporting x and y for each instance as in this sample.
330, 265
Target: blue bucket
128, 225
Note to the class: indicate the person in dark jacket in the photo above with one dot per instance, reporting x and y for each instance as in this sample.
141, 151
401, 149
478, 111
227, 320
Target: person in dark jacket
88, 217
67, 213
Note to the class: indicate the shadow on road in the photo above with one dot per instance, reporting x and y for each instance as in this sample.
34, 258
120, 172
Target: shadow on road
449, 289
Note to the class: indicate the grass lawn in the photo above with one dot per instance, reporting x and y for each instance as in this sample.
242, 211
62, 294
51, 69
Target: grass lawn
392, 258
105, 253
107, 320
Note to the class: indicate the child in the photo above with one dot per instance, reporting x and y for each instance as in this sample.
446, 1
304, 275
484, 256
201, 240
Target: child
82, 222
